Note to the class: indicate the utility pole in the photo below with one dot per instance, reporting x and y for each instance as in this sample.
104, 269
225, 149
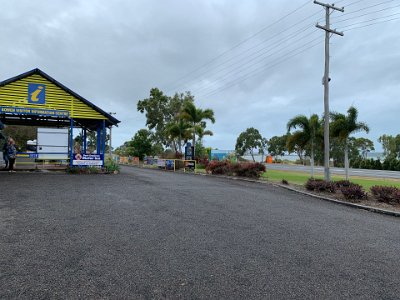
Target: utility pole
326, 80
110, 148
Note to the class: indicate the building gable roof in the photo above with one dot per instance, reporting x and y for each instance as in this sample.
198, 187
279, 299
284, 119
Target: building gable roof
110, 119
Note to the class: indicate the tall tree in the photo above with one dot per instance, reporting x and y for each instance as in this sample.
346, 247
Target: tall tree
248, 141
390, 145
178, 130
160, 110
141, 143
364, 146
277, 145
310, 132
196, 117
342, 127
21, 134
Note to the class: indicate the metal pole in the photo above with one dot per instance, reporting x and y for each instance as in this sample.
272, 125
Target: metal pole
71, 142
326, 100
326, 79
110, 144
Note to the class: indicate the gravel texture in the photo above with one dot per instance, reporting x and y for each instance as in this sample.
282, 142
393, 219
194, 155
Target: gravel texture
148, 234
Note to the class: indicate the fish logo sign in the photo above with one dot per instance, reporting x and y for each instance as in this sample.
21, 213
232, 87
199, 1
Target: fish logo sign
36, 93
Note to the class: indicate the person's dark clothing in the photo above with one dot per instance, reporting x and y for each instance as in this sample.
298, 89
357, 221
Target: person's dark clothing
12, 154
11, 164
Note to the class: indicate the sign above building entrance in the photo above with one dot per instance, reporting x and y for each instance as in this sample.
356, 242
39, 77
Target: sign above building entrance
33, 111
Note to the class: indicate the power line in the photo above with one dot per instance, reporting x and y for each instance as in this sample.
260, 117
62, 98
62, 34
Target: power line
361, 9
366, 21
268, 49
245, 66
366, 14
242, 42
257, 45
261, 69
385, 21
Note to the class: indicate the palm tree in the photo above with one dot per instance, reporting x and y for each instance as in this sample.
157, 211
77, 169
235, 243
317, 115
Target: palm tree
309, 134
179, 130
342, 127
196, 117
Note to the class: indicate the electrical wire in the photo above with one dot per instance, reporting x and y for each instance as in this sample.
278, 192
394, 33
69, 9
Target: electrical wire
262, 69
366, 21
254, 47
241, 43
380, 22
366, 14
361, 9
248, 66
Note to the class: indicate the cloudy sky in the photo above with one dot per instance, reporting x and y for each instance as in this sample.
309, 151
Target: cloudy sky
256, 63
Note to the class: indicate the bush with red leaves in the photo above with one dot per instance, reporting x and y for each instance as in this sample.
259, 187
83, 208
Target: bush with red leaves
250, 170
353, 192
387, 194
216, 167
320, 185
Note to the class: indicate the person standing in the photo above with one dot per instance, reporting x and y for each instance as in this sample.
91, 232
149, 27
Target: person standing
12, 154
5, 154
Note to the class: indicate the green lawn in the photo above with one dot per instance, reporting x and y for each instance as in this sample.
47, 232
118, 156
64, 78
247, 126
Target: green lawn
300, 178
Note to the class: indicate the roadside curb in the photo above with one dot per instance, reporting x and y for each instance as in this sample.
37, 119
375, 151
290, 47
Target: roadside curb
354, 205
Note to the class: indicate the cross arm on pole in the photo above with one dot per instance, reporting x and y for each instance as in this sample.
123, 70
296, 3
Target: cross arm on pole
329, 30
329, 6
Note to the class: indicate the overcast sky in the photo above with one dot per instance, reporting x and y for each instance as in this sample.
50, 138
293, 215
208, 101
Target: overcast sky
256, 63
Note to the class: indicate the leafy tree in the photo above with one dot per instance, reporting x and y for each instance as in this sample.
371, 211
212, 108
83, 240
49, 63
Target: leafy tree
161, 110
141, 143
337, 148
178, 131
263, 148
91, 140
196, 117
342, 127
364, 145
309, 134
277, 145
390, 145
248, 141
21, 134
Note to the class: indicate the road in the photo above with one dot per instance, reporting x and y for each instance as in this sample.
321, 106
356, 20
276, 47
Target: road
148, 234
337, 171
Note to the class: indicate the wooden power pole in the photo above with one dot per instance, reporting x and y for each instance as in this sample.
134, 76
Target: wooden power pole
326, 79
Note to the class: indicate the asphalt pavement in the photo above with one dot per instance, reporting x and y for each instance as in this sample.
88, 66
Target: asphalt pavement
148, 234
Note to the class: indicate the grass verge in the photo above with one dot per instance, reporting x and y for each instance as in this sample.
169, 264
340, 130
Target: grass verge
300, 178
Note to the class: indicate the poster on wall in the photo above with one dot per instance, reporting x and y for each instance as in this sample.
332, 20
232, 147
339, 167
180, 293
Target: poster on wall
88, 160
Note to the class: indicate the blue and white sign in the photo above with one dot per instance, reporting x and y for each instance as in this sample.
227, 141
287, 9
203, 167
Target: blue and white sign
33, 111
36, 93
88, 160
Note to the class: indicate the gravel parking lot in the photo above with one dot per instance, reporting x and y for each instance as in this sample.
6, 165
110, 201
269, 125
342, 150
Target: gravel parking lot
147, 234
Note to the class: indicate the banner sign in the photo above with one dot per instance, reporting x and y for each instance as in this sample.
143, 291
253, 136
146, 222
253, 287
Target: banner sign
161, 163
88, 160
33, 111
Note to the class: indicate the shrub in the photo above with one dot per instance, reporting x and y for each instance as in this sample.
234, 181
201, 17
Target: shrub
387, 194
220, 167
320, 185
251, 170
83, 170
353, 192
284, 181
111, 166
203, 162
342, 183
